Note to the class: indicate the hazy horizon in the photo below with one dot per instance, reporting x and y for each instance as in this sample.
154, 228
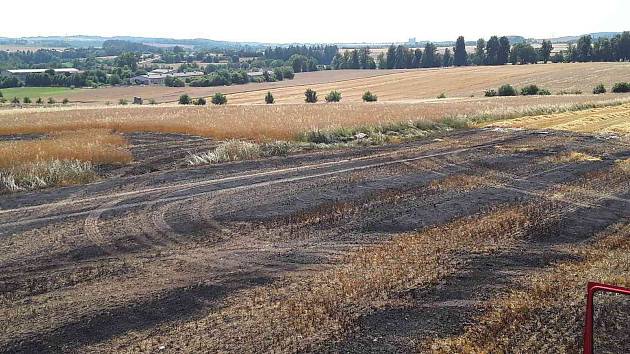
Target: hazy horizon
285, 22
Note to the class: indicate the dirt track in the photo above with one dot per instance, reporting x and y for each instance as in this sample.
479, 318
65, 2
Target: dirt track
83, 267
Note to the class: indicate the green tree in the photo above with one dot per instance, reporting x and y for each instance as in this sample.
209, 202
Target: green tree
447, 58
507, 90
391, 57
599, 89
416, 62
504, 51
545, 51
492, 51
185, 99
39, 101
115, 80
269, 98
584, 48
26, 100
429, 57
382, 62
219, 99
311, 96
480, 52
333, 96
461, 56
127, 59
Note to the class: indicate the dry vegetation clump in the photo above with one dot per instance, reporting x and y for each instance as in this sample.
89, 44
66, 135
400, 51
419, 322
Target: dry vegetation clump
42, 174
298, 315
237, 150
548, 315
97, 146
571, 156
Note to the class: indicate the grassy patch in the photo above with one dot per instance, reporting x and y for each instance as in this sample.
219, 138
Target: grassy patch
33, 92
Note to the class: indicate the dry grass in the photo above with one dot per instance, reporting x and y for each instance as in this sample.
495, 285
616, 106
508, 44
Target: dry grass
98, 146
277, 122
295, 316
548, 315
613, 119
572, 156
42, 174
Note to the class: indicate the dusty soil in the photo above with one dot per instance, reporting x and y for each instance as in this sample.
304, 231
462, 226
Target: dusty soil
154, 246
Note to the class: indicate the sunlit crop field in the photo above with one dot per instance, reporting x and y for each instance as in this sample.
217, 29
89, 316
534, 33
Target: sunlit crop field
267, 122
607, 119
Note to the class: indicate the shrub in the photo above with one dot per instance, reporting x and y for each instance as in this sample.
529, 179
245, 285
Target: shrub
621, 87
569, 92
311, 96
184, 99
233, 150
152, 101
599, 89
43, 174
15, 100
52, 100
65, 101
530, 90
442, 95
39, 101
200, 101
219, 99
121, 101
544, 92
1, 94
369, 97
490, 93
507, 90
269, 98
333, 96
26, 100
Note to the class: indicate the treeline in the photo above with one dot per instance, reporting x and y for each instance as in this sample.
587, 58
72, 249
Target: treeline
612, 49
226, 77
56, 80
323, 54
401, 57
354, 59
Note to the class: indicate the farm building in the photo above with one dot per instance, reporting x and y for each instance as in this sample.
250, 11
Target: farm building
158, 78
20, 74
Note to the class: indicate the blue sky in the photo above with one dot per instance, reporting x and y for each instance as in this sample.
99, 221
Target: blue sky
314, 21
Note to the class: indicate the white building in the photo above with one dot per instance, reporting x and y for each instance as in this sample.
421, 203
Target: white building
21, 73
156, 77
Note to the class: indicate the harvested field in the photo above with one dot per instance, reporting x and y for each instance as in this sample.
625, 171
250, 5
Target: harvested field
422, 84
382, 249
171, 94
614, 120
390, 85
285, 122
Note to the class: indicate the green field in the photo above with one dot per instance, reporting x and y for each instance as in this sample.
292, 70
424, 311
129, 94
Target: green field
33, 92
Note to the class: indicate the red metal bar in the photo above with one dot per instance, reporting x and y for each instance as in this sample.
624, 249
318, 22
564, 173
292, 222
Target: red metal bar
588, 325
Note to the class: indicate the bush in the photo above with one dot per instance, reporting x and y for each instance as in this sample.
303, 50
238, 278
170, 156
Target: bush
311, 96
333, 96
39, 101
442, 95
65, 101
621, 87
507, 90
599, 89
185, 99
52, 100
530, 90
269, 98
369, 97
569, 92
200, 101
1, 94
152, 101
219, 99
544, 92
121, 101
490, 93
15, 100
26, 100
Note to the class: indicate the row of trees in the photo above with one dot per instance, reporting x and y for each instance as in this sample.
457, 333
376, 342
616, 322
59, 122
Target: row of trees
401, 57
354, 59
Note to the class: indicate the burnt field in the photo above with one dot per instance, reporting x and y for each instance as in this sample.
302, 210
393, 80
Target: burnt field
419, 246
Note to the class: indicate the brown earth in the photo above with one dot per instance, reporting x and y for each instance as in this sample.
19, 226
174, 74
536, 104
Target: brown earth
159, 256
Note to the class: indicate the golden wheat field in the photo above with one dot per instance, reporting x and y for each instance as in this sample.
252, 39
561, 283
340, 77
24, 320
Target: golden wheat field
273, 122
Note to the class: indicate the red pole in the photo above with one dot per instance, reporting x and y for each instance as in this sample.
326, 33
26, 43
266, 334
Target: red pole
588, 323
